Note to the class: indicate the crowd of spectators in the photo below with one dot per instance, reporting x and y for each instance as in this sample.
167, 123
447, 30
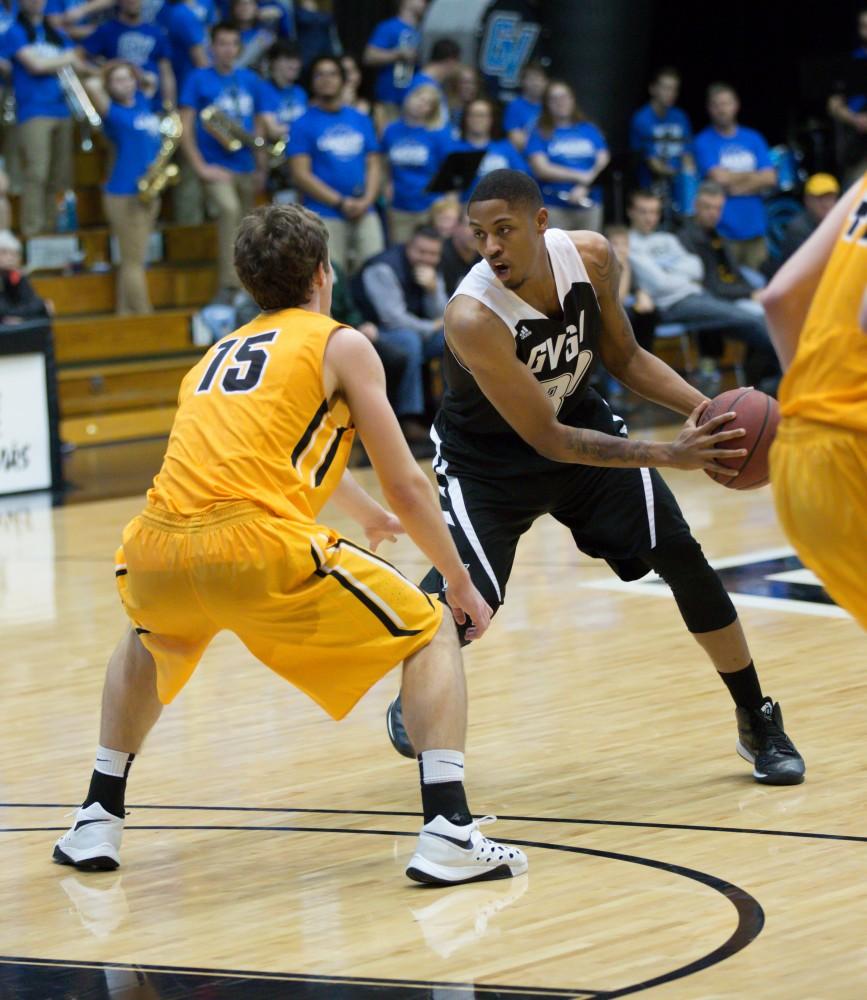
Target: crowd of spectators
694, 251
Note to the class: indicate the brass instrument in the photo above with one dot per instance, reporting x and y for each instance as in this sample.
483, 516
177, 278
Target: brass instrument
162, 172
256, 48
80, 105
8, 107
232, 136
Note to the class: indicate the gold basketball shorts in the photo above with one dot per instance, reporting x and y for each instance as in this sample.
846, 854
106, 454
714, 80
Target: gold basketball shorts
329, 616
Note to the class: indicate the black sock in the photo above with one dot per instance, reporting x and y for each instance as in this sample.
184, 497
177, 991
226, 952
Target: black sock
448, 799
109, 790
744, 687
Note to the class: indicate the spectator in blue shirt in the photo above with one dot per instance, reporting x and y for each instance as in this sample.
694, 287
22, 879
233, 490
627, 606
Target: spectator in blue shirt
228, 177
566, 154
523, 112
336, 167
133, 128
738, 159
848, 107
393, 49
660, 137
186, 34
146, 46
259, 27
482, 129
288, 96
445, 60
352, 85
414, 147
37, 52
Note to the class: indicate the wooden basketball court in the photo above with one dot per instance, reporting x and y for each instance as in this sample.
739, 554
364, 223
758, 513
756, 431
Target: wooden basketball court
265, 844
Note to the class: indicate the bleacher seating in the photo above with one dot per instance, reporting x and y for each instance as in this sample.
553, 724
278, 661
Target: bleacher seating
118, 376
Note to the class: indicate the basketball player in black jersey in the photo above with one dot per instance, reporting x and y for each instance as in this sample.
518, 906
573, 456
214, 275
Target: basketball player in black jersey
521, 433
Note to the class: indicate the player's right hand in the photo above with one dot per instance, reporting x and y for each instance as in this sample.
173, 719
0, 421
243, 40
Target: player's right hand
466, 602
696, 446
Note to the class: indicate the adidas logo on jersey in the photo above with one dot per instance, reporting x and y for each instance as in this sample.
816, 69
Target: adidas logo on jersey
523, 333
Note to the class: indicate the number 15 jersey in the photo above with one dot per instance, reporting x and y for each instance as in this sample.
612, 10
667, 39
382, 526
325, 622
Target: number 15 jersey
253, 423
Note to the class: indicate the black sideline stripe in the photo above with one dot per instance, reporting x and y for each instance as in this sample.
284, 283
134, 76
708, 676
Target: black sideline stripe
329, 458
385, 562
319, 571
312, 427
374, 609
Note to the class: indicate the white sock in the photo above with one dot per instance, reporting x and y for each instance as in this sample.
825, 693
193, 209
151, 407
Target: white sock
112, 762
438, 766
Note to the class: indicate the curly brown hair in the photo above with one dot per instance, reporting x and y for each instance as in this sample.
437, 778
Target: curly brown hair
278, 250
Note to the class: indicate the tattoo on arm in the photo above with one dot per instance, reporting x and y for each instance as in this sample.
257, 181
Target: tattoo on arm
608, 272
596, 448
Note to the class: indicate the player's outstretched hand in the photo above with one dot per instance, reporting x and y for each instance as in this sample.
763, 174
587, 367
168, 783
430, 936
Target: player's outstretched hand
696, 445
385, 529
466, 602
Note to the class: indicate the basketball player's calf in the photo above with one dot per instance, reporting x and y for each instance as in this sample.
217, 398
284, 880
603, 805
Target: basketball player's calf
710, 616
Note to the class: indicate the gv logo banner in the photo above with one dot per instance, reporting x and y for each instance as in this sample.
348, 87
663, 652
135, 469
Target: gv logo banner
507, 45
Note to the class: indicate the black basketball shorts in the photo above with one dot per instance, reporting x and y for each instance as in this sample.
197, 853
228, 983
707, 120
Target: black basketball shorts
492, 491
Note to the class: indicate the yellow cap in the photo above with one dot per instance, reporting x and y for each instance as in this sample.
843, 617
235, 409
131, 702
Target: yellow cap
820, 184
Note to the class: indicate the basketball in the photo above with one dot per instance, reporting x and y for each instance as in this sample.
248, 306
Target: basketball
759, 415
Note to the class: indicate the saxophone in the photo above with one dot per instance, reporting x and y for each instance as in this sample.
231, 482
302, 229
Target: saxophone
232, 136
80, 105
162, 172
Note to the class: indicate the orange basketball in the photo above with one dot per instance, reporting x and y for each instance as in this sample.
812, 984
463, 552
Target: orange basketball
759, 415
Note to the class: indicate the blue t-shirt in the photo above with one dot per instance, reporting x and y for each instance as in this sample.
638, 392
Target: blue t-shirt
393, 81
338, 143
521, 114
7, 19
290, 102
666, 138
184, 30
500, 154
241, 95
414, 154
141, 44
135, 133
35, 95
574, 146
744, 216
204, 11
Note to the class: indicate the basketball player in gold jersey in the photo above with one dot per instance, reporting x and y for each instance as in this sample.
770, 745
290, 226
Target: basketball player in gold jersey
230, 539
817, 314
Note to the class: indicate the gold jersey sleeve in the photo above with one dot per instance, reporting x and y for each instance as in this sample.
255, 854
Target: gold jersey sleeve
827, 381
253, 423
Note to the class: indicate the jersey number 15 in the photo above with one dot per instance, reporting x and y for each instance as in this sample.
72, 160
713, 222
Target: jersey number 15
249, 359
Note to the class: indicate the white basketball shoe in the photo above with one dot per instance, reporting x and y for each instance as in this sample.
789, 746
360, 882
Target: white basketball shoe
448, 855
93, 841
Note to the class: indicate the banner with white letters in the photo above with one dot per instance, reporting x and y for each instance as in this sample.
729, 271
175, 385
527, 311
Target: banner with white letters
25, 439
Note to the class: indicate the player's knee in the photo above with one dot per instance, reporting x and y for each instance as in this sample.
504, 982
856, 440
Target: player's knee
697, 588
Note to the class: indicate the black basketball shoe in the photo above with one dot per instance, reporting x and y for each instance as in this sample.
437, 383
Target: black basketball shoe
396, 731
763, 742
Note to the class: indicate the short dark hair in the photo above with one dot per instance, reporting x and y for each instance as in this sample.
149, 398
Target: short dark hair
221, 27
644, 193
720, 87
712, 188
426, 232
445, 49
319, 60
278, 250
511, 186
670, 71
284, 49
